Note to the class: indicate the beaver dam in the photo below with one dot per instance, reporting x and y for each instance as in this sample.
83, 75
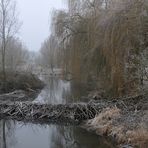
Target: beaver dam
54, 118
71, 113
50, 120
62, 113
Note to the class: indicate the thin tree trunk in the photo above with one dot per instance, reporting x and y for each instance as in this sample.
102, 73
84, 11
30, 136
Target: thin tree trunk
4, 71
3, 44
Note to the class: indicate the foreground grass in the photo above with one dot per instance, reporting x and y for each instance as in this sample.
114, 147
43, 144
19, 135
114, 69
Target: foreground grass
126, 124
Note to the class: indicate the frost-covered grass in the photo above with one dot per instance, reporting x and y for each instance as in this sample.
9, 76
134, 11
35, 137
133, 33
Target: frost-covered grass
125, 126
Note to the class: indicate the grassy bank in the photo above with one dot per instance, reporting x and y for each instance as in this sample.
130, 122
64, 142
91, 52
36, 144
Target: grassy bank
20, 85
126, 121
24, 81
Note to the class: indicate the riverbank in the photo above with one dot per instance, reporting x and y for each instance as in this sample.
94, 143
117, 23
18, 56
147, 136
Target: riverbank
124, 120
20, 86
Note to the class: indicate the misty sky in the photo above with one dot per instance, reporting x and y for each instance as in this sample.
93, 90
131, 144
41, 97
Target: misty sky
35, 16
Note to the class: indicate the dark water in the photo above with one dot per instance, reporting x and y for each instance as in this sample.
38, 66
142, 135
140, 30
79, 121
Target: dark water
20, 135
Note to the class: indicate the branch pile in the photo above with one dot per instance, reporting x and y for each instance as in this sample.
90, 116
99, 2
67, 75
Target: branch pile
67, 113
70, 113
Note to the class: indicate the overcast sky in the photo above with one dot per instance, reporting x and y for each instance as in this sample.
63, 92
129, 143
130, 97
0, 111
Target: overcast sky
35, 15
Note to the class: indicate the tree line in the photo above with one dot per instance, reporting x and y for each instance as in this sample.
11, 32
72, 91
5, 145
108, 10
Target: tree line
14, 55
104, 42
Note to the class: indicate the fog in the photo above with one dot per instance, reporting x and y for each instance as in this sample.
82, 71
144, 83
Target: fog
35, 16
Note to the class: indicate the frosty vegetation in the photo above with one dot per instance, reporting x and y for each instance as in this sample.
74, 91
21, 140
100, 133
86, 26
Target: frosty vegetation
101, 42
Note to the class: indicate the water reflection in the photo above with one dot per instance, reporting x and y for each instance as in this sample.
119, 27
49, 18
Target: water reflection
56, 91
6, 130
20, 135
74, 137
60, 91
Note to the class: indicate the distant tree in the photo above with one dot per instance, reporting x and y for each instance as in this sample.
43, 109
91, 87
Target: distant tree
48, 53
9, 26
16, 55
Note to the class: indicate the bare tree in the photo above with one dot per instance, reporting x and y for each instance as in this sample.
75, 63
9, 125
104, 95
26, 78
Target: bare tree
16, 55
48, 53
8, 28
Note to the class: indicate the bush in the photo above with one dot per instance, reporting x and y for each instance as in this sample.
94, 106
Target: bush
24, 81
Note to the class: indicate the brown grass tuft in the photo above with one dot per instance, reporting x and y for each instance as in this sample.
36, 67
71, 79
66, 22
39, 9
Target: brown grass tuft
103, 125
103, 122
138, 137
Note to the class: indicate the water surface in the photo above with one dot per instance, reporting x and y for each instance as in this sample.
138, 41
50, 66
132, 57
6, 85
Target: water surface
15, 134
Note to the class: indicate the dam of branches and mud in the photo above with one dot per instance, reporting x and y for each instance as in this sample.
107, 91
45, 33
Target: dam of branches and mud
73, 113
61, 113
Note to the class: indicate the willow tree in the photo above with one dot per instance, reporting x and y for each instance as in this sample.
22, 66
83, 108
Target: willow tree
104, 41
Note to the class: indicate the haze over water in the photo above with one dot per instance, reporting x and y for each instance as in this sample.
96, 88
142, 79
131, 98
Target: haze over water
36, 18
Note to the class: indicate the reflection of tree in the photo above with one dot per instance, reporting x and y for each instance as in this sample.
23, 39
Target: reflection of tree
74, 137
62, 137
60, 91
51, 90
3, 142
68, 137
56, 91
78, 90
4, 134
6, 131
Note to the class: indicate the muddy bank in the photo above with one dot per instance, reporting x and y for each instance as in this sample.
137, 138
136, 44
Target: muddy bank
20, 87
124, 120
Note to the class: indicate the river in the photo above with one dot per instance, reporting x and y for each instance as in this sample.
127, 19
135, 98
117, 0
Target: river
14, 134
